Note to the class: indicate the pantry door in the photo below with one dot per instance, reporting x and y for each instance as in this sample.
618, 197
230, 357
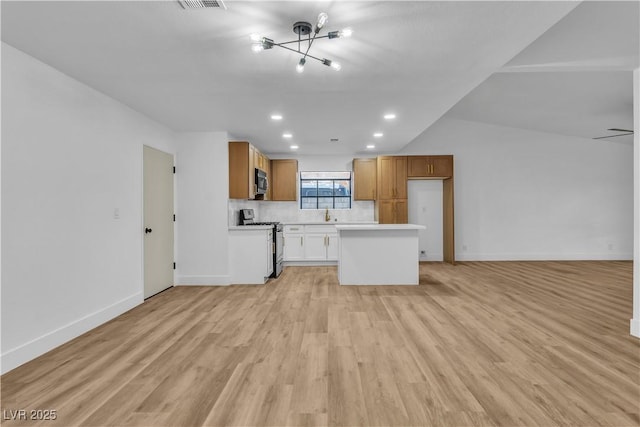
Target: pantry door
158, 221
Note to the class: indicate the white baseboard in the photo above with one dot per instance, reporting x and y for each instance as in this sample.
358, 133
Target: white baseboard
308, 263
432, 257
635, 327
203, 281
30, 350
604, 256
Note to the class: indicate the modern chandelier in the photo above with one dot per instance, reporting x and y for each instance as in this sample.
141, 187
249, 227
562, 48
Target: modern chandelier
306, 34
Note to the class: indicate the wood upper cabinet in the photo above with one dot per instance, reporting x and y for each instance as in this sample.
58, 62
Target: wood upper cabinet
364, 179
284, 176
260, 160
429, 166
393, 211
267, 169
243, 159
392, 177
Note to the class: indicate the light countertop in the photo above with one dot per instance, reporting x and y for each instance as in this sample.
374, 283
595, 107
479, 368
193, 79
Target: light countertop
328, 222
378, 227
250, 227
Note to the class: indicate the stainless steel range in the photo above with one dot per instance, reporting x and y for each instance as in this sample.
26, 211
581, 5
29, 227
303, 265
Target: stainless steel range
247, 218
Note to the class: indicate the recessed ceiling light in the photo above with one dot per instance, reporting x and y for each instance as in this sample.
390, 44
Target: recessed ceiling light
389, 116
286, 135
370, 146
276, 117
294, 147
378, 135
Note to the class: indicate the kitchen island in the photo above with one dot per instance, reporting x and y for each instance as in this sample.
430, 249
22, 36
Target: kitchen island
378, 254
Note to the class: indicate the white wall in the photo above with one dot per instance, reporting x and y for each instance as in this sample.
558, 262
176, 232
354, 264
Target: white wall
530, 195
71, 155
425, 208
202, 169
635, 322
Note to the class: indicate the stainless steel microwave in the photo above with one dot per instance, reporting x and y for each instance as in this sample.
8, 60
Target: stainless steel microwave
261, 182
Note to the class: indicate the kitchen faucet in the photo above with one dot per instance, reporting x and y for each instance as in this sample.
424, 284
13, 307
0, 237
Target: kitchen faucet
327, 217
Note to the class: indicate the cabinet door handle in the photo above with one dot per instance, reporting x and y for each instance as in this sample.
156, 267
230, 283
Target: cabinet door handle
301, 241
328, 240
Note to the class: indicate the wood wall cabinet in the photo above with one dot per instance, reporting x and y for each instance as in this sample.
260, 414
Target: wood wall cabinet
393, 211
241, 170
267, 169
391, 201
391, 204
284, 176
364, 179
429, 166
243, 159
392, 177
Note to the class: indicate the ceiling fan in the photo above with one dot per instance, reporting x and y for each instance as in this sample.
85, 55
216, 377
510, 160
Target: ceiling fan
625, 133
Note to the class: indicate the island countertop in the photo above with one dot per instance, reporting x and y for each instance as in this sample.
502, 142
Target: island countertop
378, 227
336, 223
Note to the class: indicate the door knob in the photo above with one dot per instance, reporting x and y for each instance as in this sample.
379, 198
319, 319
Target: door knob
147, 230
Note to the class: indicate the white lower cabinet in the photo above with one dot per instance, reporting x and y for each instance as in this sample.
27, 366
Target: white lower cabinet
332, 247
310, 243
247, 247
293, 247
315, 248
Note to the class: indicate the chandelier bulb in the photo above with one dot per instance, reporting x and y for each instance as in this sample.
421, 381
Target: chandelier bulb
322, 20
300, 66
256, 37
257, 47
347, 32
336, 66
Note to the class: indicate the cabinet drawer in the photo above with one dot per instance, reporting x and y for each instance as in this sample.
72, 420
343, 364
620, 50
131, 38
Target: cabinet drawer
320, 229
294, 228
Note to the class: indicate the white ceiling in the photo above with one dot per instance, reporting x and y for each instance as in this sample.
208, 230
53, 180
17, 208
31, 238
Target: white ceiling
576, 79
193, 70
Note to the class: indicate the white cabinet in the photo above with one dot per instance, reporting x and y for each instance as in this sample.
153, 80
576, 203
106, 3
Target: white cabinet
321, 243
293, 242
250, 255
310, 242
269, 253
332, 247
315, 247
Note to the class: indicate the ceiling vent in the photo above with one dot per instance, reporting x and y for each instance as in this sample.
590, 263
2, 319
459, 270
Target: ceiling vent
199, 4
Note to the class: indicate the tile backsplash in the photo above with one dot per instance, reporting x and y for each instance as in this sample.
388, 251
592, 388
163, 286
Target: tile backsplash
291, 212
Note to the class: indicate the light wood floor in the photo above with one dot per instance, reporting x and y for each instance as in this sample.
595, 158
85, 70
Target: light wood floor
492, 343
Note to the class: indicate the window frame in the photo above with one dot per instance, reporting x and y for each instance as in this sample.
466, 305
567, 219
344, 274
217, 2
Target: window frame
332, 196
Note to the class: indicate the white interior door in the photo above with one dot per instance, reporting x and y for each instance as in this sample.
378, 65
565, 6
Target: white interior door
158, 221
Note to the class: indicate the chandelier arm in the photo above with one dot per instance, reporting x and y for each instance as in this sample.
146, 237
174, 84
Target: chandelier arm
296, 41
297, 51
309, 47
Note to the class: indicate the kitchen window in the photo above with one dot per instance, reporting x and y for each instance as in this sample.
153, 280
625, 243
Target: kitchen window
325, 190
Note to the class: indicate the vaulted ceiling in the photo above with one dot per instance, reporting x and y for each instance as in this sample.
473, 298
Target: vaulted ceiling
193, 70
